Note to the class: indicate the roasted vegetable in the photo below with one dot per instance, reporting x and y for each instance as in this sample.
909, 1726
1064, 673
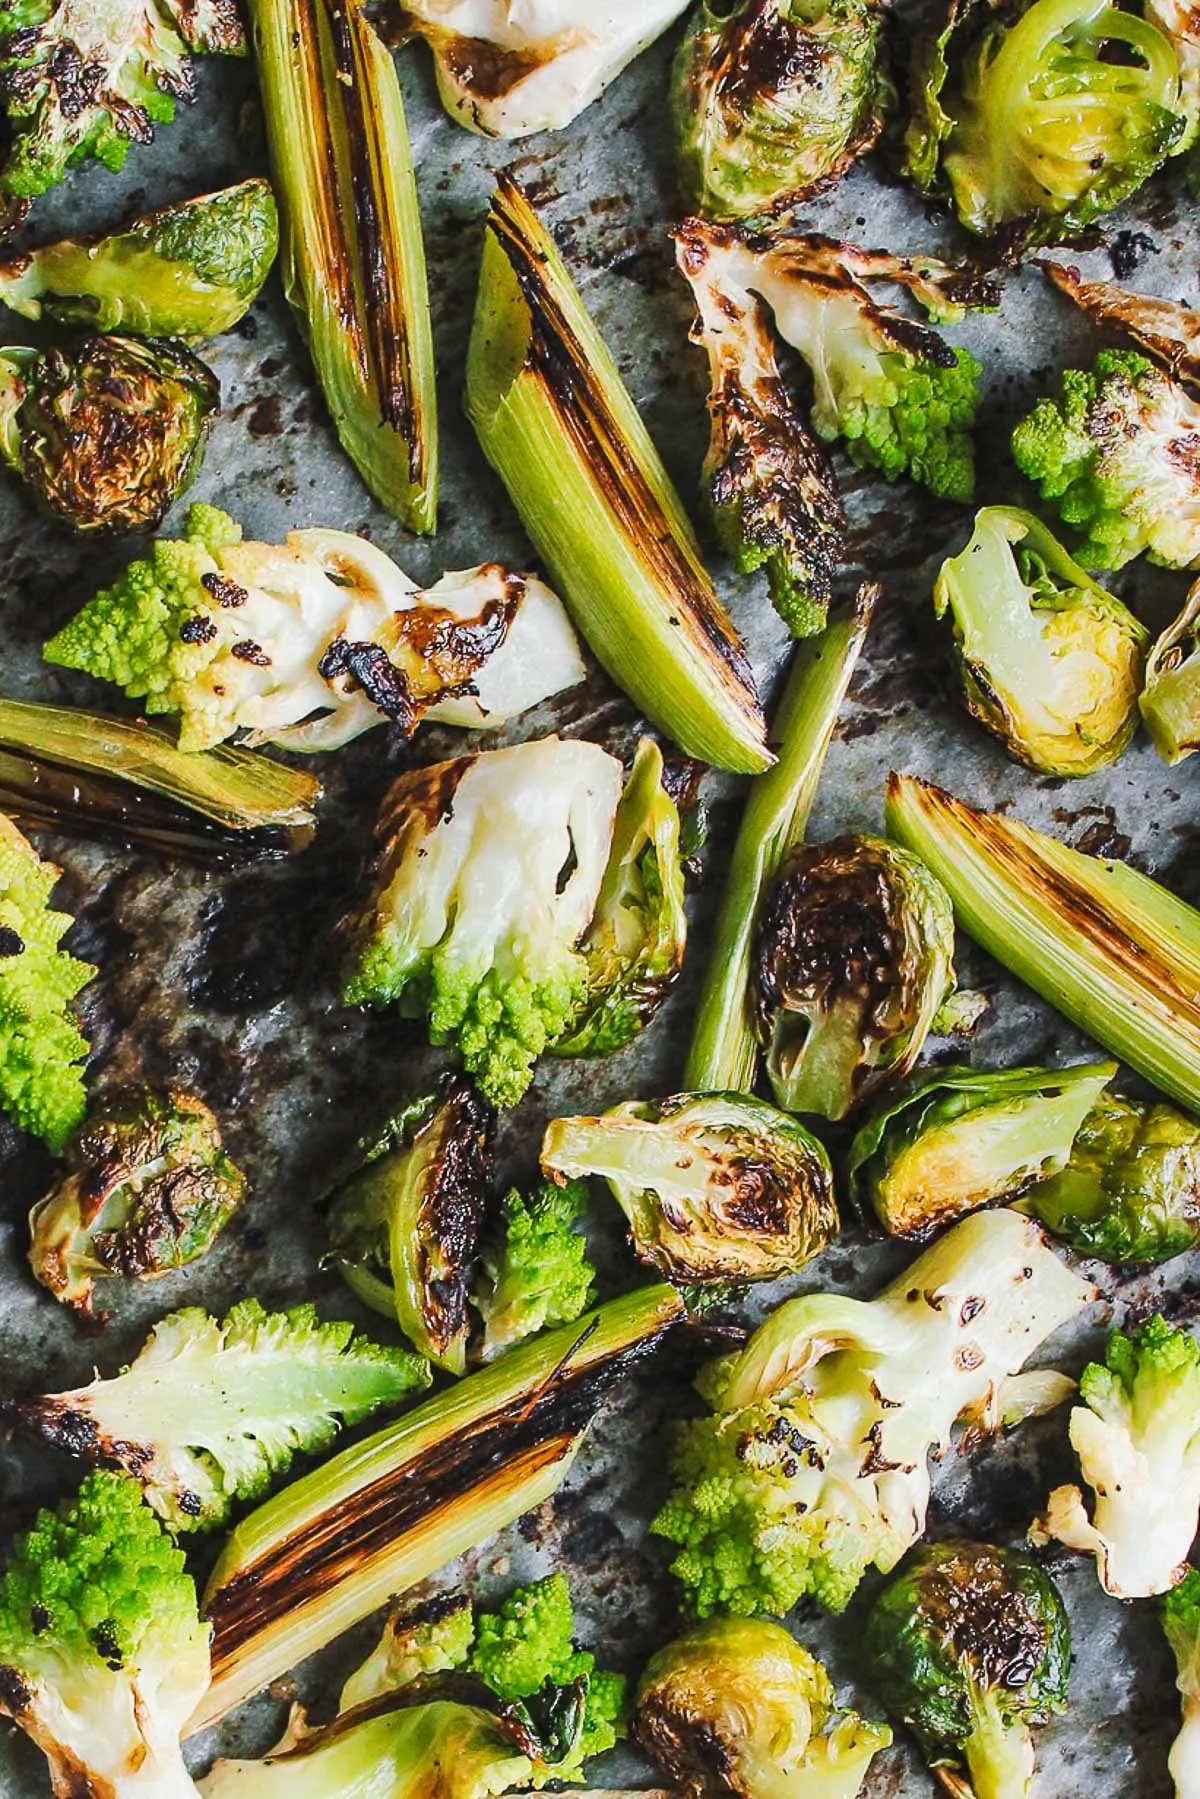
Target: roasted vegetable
1137, 1436
814, 1464
233, 788
106, 434
1181, 1622
773, 99
535, 1270
716, 1186
1115, 455
1050, 663
902, 399
352, 253
1040, 123
1131, 1189
212, 1410
1170, 699
488, 873
507, 71
558, 425
737, 1706
1168, 332
1114, 951
635, 944
80, 79
147, 1188
41, 1045
401, 1747
853, 957
767, 482
102, 1652
431, 1638
191, 270
969, 1646
957, 1138
393, 1509
724, 1050
405, 1226
310, 643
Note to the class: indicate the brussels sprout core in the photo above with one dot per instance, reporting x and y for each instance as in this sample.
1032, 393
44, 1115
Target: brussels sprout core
715, 1186
852, 961
970, 1645
1170, 700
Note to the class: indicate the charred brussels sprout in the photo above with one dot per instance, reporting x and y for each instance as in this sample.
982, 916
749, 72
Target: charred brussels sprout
852, 960
405, 1226
635, 943
772, 98
191, 270
716, 1186
1170, 700
957, 1139
107, 434
1131, 1190
735, 1705
970, 1646
148, 1188
1051, 664
1042, 124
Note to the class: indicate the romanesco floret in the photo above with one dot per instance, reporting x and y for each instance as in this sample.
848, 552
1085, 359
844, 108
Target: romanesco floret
1116, 453
434, 1638
1181, 1622
1137, 1437
488, 874
815, 1466
536, 1273
41, 1045
211, 1411
103, 1657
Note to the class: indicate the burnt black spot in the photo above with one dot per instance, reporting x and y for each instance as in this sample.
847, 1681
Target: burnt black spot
11, 942
251, 652
225, 592
1128, 250
197, 629
108, 1645
15, 1696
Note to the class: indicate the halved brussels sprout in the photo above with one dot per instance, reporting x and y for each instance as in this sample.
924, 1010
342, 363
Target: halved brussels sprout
716, 1186
853, 958
735, 1705
1131, 1189
1170, 700
1051, 663
956, 1139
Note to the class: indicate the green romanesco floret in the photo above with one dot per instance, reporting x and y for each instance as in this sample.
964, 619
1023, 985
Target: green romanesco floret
433, 1638
41, 1045
902, 415
1137, 1436
213, 1410
536, 1273
1115, 454
104, 1654
502, 1026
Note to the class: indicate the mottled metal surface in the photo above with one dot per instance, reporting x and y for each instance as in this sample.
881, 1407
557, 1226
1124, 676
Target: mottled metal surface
223, 981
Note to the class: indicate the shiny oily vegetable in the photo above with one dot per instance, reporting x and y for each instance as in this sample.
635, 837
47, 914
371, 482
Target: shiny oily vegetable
1170, 700
1050, 663
773, 98
1131, 1189
957, 1139
970, 1646
852, 961
716, 1186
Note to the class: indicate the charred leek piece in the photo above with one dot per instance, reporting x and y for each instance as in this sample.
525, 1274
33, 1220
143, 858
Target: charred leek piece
724, 1052
558, 425
324, 1553
353, 258
1112, 949
1170, 700
232, 787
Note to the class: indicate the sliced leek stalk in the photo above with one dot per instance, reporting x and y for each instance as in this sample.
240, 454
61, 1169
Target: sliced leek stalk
390, 1511
1112, 949
353, 258
557, 423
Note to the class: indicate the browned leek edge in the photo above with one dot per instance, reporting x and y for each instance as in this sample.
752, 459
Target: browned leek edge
330, 1548
557, 422
353, 253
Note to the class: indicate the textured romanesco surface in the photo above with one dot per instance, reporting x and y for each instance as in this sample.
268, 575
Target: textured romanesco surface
538, 1275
